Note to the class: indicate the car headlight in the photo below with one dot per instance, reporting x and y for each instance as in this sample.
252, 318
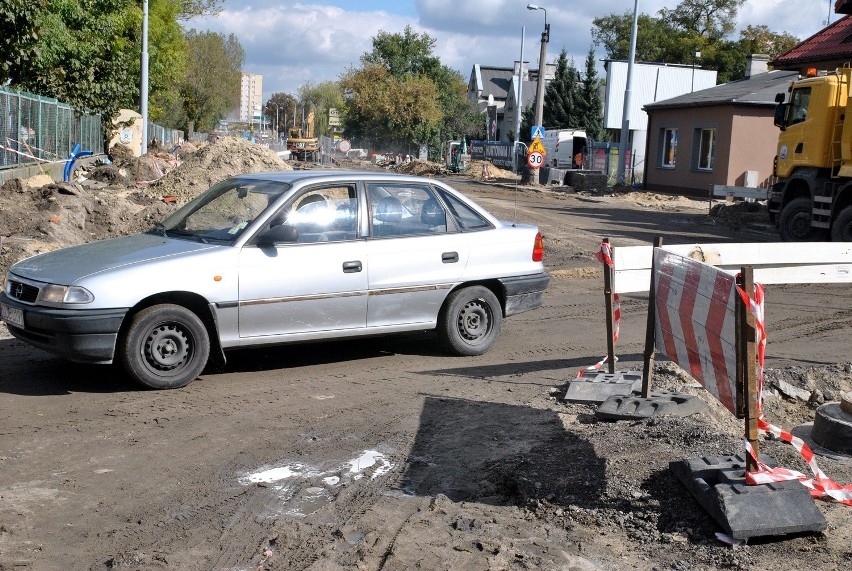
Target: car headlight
58, 294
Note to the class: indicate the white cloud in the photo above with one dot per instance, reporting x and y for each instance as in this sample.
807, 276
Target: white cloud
292, 43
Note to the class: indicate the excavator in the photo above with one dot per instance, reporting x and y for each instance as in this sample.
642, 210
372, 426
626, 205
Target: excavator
303, 146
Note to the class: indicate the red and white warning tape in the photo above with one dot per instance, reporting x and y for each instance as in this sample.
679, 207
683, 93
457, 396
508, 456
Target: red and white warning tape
605, 256
820, 485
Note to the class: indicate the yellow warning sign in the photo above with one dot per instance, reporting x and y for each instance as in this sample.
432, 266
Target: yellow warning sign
537, 147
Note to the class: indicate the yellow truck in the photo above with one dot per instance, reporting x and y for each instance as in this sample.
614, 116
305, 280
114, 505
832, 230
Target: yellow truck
812, 199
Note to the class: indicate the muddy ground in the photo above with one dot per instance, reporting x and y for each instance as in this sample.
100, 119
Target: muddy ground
387, 454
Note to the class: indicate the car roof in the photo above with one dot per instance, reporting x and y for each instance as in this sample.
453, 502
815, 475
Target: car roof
295, 176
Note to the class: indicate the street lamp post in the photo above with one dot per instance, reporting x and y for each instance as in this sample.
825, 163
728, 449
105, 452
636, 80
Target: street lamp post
542, 72
276, 119
695, 56
625, 114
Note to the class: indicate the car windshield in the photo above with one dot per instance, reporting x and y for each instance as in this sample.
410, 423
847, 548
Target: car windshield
222, 214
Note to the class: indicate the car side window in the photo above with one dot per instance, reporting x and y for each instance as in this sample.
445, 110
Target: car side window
466, 217
405, 210
326, 214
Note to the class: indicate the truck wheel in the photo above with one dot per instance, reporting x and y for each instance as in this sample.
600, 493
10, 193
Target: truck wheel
165, 347
841, 231
794, 224
470, 321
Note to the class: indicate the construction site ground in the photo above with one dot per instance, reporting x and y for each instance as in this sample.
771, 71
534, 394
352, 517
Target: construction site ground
385, 453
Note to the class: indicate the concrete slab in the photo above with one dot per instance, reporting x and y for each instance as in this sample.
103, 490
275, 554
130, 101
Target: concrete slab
594, 387
663, 403
743, 511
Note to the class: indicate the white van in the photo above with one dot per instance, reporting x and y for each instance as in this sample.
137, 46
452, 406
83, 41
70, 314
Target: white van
562, 145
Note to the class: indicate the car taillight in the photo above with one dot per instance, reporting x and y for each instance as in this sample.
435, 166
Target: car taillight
538, 248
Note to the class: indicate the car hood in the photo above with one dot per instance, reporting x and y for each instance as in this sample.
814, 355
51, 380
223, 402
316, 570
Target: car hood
69, 265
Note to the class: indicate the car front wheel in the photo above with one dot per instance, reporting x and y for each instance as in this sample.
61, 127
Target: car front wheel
165, 347
470, 321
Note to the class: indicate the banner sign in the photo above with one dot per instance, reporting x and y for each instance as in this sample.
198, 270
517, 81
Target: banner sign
498, 153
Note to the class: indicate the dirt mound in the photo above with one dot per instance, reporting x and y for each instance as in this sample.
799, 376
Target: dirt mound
477, 169
36, 219
214, 163
739, 214
662, 201
419, 167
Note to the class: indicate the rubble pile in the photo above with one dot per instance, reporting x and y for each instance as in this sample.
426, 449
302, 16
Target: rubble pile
213, 163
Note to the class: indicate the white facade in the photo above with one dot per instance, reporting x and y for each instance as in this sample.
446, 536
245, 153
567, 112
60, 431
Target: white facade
651, 82
251, 97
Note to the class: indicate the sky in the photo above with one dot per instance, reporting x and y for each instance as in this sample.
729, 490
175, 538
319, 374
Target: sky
294, 43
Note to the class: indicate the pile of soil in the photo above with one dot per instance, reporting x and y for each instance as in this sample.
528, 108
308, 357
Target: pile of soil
38, 215
419, 167
213, 163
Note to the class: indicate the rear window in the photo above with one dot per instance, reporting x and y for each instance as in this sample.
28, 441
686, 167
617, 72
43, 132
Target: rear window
466, 217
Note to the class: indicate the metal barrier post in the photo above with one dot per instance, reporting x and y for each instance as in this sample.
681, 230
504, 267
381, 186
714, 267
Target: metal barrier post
610, 343
650, 343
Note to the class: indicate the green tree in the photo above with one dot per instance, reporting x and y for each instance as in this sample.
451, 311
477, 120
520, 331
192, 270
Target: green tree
591, 105
676, 34
562, 98
211, 86
384, 111
167, 49
19, 37
321, 98
392, 112
612, 32
405, 54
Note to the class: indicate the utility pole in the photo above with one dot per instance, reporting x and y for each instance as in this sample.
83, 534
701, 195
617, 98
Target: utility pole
143, 83
625, 116
540, 86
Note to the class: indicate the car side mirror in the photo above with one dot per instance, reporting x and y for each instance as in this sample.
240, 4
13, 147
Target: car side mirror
282, 233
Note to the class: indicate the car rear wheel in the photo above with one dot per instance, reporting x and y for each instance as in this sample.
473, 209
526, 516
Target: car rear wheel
470, 321
165, 347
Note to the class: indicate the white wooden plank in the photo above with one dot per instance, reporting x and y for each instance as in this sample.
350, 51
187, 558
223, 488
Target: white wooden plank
720, 190
773, 262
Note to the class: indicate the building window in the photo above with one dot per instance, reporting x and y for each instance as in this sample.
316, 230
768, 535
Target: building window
669, 146
706, 149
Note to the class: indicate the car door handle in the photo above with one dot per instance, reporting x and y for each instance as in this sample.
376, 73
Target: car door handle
352, 267
450, 257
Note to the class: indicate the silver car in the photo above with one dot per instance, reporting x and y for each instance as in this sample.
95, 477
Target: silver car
280, 257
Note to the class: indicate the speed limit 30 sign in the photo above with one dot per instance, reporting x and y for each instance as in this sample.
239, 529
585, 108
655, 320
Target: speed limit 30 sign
535, 159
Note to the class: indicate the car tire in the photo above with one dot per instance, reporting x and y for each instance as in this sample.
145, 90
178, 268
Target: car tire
794, 224
470, 321
841, 230
165, 347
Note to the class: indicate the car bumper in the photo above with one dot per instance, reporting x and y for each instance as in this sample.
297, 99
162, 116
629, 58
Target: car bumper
81, 335
524, 292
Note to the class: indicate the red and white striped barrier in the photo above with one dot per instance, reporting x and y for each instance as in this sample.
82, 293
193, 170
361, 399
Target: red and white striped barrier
695, 323
821, 486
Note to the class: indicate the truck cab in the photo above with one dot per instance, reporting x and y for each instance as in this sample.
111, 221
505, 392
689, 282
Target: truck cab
812, 198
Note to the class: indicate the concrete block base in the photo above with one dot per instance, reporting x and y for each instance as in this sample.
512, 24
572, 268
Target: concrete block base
632, 407
743, 511
595, 387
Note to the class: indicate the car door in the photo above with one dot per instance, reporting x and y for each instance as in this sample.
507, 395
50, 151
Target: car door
314, 284
416, 254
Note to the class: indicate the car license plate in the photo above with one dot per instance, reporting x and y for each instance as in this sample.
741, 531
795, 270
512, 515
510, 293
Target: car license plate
12, 315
